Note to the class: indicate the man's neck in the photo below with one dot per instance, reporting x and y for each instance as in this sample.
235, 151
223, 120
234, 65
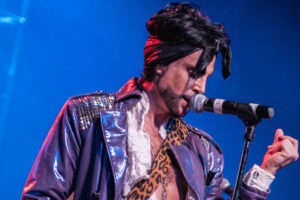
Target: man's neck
158, 112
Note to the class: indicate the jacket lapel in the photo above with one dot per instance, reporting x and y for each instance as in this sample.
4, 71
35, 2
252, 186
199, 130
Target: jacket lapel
192, 169
114, 127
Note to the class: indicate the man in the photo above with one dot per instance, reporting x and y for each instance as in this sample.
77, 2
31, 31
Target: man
134, 144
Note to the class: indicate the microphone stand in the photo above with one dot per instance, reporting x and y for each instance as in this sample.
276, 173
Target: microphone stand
250, 123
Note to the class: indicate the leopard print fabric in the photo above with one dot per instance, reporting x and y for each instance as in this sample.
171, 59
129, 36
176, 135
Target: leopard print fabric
161, 164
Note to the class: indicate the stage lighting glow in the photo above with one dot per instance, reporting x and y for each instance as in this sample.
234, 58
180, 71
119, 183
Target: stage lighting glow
12, 20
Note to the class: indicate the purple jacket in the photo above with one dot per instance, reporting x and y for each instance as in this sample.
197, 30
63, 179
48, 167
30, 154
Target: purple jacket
85, 152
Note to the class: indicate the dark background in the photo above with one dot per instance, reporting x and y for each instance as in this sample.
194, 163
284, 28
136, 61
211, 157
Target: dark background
63, 48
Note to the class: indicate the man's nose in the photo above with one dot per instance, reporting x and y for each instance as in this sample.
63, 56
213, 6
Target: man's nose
200, 85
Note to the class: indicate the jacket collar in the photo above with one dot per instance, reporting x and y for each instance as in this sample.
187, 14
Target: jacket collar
131, 91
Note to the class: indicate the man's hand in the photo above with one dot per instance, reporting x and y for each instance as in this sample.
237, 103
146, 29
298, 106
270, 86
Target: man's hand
282, 152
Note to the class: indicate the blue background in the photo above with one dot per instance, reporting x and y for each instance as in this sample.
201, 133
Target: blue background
71, 47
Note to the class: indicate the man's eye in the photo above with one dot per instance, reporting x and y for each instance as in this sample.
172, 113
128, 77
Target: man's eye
195, 74
198, 74
192, 74
201, 73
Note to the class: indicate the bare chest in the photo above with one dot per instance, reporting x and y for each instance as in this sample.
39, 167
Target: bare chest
173, 186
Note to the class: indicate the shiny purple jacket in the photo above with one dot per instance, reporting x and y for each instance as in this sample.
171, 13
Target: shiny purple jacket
85, 153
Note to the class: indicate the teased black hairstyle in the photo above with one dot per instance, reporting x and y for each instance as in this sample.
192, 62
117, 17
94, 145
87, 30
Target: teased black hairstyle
183, 24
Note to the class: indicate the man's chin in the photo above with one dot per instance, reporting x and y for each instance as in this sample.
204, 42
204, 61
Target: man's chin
181, 113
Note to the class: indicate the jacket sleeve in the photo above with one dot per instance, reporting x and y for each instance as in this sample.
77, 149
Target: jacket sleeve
253, 192
53, 170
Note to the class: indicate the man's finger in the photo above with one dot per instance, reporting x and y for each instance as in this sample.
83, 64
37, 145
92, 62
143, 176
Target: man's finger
278, 134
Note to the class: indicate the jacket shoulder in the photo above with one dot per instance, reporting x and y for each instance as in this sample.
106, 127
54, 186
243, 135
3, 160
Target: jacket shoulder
206, 138
100, 99
88, 106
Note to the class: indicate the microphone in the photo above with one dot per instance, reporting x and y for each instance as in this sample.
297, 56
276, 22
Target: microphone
200, 103
226, 187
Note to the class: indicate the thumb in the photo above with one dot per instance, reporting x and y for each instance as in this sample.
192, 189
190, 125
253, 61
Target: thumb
278, 135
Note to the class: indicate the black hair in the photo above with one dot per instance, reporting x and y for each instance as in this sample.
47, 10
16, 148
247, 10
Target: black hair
183, 23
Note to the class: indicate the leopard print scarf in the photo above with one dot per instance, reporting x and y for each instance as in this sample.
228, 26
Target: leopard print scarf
161, 164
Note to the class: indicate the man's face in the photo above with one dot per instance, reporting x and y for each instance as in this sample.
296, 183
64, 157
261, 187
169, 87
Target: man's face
178, 82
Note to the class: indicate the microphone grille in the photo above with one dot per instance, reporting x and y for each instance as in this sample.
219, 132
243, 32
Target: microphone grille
271, 112
197, 103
